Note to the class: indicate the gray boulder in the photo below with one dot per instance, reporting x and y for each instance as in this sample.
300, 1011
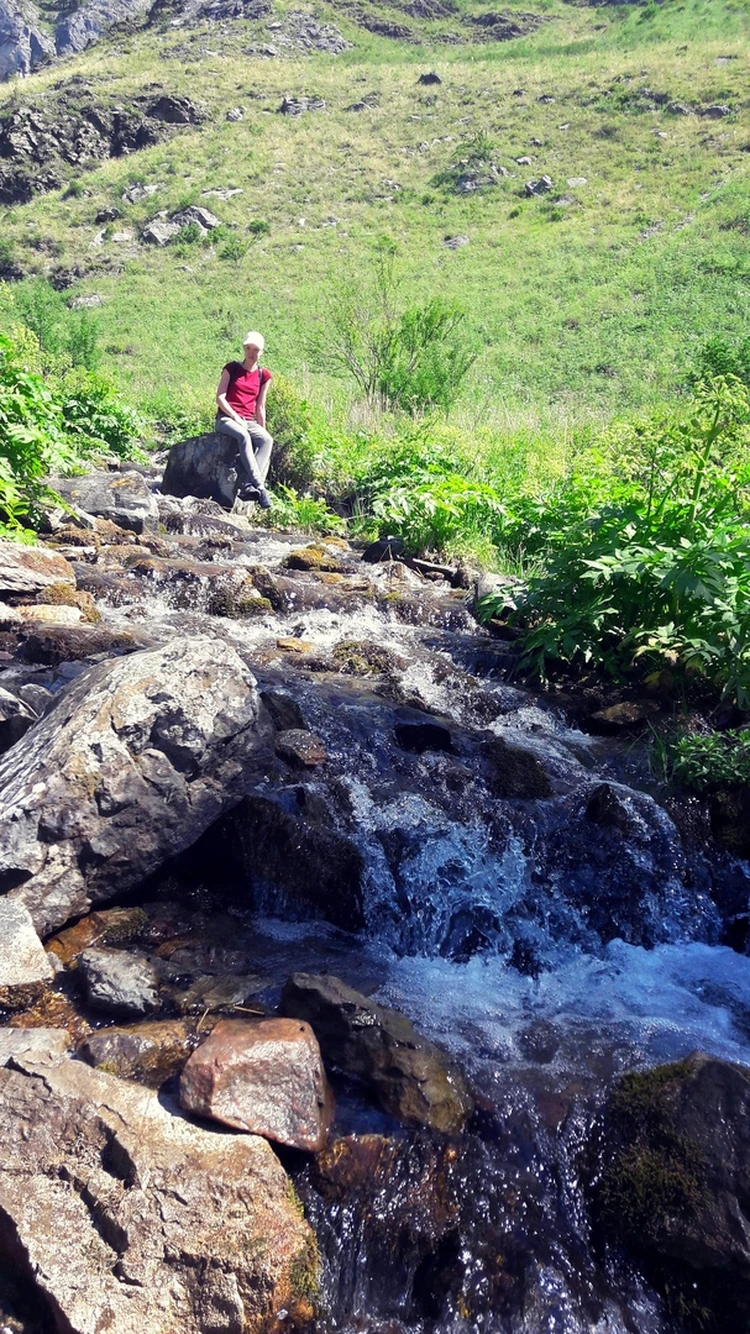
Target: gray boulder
137, 757
122, 497
119, 983
23, 961
126, 1217
160, 232
206, 466
86, 24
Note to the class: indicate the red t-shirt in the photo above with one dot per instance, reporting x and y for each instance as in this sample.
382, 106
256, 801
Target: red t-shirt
244, 388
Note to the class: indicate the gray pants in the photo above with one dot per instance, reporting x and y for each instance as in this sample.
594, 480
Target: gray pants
255, 445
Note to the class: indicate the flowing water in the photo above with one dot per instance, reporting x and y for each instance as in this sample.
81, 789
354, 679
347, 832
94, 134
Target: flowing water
550, 943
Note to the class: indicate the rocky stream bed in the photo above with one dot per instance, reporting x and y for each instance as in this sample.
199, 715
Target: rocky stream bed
346, 984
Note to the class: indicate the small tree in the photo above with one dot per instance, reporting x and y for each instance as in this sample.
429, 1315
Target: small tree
401, 357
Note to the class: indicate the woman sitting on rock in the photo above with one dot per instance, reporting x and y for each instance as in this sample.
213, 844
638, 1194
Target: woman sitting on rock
241, 399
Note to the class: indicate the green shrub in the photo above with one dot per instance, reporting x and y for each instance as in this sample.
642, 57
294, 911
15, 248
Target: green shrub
258, 227
712, 760
290, 419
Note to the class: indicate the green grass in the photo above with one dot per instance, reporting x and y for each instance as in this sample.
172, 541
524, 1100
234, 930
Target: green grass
584, 309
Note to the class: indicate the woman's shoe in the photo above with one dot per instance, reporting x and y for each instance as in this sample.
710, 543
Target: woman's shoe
248, 492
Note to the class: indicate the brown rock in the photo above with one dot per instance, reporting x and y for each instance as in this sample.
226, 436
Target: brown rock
148, 1052
620, 717
130, 1219
31, 569
44, 614
515, 772
411, 1077
266, 1077
301, 748
111, 926
292, 645
311, 558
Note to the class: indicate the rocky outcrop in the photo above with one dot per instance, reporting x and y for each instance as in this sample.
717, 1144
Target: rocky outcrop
24, 44
126, 1217
411, 1078
124, 498
206, 466
23, 962
265, 1077
136, 759
76, 31
674, 1189
30, 570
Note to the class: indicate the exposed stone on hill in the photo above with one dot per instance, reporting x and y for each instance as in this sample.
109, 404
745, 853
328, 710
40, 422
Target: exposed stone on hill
678, 109
119, 1208
430, 78
540, 187
499, 27
300, 33
24, 44
371, 21
674, 1187
177, 110
411, 1077
119, 983
295, 106
204, 218
265, 1077
160, 232
206, 466
455, 242
138, 756
76, 31
122, 497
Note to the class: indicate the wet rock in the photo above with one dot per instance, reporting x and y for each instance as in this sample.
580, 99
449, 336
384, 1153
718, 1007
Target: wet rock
110, 926
119, 983
206, 466
53, 645
28, 570
265, 1077
411, 1078
359, 657
149, 1053
120, 1209
285, 862
24, 966
674, 1185
385, 549
610, 808
122, 497
311, 558
16, 718
515, 773
301, 748
421, 737
617, 718
730, 820
285, 712
43, 614
138, 756
217, 994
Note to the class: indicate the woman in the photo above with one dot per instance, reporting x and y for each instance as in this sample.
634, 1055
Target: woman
241, 400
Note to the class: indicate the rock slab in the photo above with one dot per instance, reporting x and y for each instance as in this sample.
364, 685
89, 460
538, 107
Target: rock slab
265, 1077
127, 1218
31, 569
206, 466
23, 961
138, 756
411, 1078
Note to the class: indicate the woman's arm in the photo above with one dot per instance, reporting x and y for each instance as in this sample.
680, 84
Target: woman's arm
260, 406
221, 400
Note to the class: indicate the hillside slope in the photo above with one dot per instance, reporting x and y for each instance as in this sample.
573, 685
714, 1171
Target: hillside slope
309, 136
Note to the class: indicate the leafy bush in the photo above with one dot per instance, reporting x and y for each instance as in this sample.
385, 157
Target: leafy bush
412, 358
653, 561
290, 419
712, 760
259, 227
306, 512
233, 248
718, 357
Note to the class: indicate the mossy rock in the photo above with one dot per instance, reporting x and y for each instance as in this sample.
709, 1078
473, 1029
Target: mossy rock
674, 1186
62, 595
311, 558
359, 657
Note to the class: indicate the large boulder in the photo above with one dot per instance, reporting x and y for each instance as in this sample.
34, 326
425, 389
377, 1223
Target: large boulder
123, 497
24, 966
137, 757
127, 1218
265, 1077
206, 466
411, 1078
675, 1184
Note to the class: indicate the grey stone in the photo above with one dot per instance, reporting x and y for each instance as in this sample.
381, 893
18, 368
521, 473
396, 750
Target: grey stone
123, 497
160, 232
90, 301
120, 983
131, 1219
24, 44
138, 756
716, 111
236, 114
41, 1042
86, 24
575, 181
195, 213
455, 242
206, 466
135, 193
540, 187
678, 109
295, 106
23, 961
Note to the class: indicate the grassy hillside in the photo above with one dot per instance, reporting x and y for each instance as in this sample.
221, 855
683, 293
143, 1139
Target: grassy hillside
588, 300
